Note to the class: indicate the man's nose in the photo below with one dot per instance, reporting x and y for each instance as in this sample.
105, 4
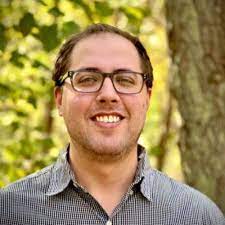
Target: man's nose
107, 93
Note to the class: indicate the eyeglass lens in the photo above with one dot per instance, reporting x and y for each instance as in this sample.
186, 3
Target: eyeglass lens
123, 82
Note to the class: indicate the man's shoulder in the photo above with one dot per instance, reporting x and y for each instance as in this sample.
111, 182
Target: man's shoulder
21, 199
179, 196
168, 186
37, 181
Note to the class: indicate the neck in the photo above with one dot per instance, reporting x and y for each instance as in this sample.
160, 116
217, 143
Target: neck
102, 178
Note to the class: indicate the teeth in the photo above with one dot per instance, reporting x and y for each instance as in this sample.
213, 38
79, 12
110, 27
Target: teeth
108, 119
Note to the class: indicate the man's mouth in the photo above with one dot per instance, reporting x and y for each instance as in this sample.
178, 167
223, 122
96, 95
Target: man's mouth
108, 119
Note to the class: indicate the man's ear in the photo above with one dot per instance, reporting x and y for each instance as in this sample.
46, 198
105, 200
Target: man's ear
149, 93
58, 93
149, 90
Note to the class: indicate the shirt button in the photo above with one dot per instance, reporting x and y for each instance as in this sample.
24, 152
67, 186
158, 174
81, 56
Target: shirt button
108, 222
131, 192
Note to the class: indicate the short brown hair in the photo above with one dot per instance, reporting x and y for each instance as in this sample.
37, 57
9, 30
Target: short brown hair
63, 59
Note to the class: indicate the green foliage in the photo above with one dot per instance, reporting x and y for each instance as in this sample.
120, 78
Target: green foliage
17, 59
30, 34
55, 12
103, 9
26, 24
48, 35
68, 28
3, 40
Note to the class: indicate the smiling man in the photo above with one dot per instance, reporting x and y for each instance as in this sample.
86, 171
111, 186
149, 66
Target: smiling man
103, 79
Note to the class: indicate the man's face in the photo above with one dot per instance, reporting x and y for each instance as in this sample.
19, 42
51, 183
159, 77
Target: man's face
82, 111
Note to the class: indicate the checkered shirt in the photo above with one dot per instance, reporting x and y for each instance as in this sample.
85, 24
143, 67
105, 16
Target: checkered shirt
53, 197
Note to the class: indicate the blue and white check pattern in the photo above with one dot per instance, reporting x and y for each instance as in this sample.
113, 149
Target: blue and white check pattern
53, 197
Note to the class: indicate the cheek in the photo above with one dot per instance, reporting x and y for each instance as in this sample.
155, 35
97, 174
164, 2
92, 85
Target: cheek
143, 103
69, 106
136, 104
137, 110
76, 106
143, 110
145, 106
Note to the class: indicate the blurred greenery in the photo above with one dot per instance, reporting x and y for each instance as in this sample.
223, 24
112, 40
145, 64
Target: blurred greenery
31, 32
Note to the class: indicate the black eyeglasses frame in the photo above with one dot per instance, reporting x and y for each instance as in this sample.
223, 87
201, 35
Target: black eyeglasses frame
146, 79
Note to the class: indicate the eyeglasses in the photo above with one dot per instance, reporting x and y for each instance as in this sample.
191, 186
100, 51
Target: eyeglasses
87, 81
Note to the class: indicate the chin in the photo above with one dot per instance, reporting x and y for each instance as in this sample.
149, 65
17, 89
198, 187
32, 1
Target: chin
109, 152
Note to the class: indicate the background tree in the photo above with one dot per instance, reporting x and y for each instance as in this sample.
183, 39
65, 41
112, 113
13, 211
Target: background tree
196, 34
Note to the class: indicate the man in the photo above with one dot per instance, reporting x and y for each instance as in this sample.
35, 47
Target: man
103, 82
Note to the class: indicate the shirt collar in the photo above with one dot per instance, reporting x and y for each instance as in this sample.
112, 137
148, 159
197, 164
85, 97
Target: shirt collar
62, 174
144, 174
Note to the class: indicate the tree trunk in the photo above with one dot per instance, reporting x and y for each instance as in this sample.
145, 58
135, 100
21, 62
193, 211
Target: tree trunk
196, 36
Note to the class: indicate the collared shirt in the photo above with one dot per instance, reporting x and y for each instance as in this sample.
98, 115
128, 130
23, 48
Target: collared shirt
53, 197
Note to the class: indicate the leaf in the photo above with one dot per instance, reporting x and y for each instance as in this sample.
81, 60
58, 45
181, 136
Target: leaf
3, 40
48, 35
15, 125
69, 28
156, 150
2, 28
48, 142
55, 12
135, 16
86, 8
132, 13
103, 9
4, 87
21, 113
16, 59
32, 100
79, 2
38, 64
41, 2
26, 24
4, 91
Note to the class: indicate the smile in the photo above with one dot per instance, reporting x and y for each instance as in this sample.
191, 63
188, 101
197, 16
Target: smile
108, 119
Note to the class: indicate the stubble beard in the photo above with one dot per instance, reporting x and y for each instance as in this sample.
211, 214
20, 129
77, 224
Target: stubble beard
102, 152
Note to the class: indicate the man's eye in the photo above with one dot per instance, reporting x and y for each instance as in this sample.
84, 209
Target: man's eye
86, 80
125, 80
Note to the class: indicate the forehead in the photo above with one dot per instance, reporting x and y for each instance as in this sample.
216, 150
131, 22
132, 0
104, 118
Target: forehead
105, 49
